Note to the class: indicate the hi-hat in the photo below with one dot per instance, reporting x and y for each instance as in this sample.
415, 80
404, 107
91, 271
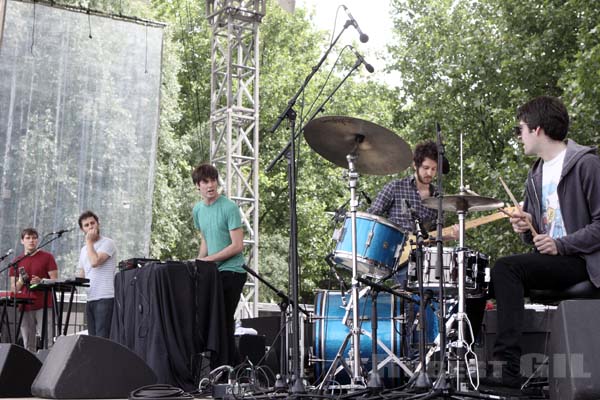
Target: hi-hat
464, 203
379, 150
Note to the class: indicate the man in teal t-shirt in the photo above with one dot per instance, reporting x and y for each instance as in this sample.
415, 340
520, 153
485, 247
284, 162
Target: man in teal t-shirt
220, 225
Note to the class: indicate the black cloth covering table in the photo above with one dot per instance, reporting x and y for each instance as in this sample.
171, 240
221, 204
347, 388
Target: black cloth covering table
170, 313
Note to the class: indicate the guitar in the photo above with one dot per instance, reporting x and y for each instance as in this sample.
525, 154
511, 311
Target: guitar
503, 213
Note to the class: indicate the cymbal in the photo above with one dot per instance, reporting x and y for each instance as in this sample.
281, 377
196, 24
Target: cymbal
379, 150
464, 202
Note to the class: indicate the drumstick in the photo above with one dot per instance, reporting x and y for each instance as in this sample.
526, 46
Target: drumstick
517, 206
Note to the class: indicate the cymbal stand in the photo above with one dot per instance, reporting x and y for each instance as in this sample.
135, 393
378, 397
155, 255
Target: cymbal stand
357, 377
461, 315
441, 384
355, 331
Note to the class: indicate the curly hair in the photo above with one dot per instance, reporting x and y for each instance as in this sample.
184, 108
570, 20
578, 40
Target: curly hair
427, 149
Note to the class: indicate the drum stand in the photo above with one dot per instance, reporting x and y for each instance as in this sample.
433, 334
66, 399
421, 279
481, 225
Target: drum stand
422, 381
374, 382
357, 379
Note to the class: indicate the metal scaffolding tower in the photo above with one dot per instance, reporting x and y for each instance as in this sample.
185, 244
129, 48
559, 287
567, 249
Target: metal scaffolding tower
234, 114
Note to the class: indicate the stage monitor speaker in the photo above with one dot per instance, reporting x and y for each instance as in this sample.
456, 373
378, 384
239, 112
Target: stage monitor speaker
86, 367
575, 351
18, 369
251, 346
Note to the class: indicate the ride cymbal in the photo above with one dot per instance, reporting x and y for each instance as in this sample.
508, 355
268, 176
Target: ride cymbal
379, 151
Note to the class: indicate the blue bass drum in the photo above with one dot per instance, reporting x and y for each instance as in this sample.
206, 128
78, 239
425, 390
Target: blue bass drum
330, 332
378, 244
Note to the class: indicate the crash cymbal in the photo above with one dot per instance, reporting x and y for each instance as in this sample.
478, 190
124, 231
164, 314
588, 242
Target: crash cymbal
379, 150
464, 202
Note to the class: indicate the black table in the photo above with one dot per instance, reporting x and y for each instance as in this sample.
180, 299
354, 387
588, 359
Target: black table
171, 314
56, 286
7, 300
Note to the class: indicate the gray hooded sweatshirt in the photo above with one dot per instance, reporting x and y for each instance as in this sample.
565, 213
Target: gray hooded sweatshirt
579, 198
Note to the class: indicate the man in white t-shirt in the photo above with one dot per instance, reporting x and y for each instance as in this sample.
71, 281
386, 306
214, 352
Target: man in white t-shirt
560, 220
97, 262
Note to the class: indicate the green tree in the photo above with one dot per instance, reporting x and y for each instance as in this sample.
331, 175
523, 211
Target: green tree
468, 65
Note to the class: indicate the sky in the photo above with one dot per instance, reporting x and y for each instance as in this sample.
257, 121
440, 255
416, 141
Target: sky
374, 19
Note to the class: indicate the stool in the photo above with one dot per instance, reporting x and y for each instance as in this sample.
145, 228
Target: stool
581, 290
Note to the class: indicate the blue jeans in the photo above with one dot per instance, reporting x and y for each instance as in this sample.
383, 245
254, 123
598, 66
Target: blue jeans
99, 317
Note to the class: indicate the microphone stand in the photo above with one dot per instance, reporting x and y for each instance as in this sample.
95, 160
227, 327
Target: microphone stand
290, 150
422, 382
15, 265
283, 305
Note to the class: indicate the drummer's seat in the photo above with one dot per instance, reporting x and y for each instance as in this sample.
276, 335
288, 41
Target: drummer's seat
581, 290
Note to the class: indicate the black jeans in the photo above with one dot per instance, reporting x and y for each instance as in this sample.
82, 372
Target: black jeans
512, 278
99, 317
232, 284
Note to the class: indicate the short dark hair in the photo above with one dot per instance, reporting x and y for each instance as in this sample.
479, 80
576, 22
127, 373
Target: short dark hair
204, 172
85, 215
30, 232
547, 112
427, 149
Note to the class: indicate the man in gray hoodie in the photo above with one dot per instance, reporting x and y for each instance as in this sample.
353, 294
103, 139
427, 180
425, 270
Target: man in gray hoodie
562, 205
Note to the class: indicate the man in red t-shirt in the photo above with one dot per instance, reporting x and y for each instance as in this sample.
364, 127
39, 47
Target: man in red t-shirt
38, 264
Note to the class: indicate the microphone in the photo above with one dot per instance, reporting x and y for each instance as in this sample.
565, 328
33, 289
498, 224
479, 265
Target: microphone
413, 214
61, 231
362, 36
445, 165
360, 58
367, 198
8, 253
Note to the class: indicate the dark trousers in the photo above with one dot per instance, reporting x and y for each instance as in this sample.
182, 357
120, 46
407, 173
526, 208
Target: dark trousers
232, 284
99, 317
512, 278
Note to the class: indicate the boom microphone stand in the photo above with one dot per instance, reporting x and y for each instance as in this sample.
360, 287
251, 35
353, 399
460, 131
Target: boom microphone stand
283, 304
290, 150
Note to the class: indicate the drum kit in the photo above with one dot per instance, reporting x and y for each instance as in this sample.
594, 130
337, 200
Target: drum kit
372, 248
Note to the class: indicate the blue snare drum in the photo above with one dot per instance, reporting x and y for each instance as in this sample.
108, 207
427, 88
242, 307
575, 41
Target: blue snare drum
378, 244
330, 332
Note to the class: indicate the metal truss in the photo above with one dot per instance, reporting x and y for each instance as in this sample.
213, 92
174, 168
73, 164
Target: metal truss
234, 115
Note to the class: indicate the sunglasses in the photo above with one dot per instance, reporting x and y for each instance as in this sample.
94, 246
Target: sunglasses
517, 130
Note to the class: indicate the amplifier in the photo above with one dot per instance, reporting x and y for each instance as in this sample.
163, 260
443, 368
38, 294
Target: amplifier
135, 263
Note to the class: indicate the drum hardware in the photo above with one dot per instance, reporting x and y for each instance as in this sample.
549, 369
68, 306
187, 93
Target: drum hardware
283, 313
452, 308
379, 243
476, 271
422, 381
462, 203
330, 332
289, 151
343, 286
359, 146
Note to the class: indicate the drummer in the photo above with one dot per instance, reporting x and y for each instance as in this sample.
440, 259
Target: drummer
401, 200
